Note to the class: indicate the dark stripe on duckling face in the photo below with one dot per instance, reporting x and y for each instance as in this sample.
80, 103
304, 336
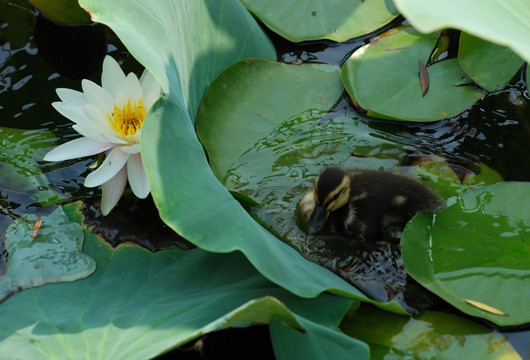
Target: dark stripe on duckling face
332, 191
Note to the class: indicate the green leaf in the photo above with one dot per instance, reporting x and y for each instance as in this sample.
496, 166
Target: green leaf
20, 176
47, 253
474, 254
240, 91
285, 144
206, 201
432, 335
383, 78
501, 22
140, 304
184, 43
339, 20
318, 343
62, 11
490, 65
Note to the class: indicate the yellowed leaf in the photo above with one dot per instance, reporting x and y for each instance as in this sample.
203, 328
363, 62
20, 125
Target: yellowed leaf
485, 307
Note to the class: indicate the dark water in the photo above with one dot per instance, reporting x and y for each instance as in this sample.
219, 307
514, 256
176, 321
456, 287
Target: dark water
495, 131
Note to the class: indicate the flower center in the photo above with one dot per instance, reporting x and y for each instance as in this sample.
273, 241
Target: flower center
129, 119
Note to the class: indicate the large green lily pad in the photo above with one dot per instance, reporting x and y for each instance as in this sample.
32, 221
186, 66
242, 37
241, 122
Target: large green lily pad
44, 250
432, 335
383, 79
339, 20
501, 22
489, 65
240, 93
474, 254
139, 304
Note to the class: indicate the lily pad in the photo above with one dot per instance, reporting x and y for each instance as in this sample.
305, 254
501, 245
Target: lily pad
45, 250
504, 23
339, 20
383, 79
249, 84
138, 305
474, 254
489, 65
432, 335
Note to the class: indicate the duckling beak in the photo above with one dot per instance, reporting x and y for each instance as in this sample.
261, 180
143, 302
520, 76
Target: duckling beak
317, 220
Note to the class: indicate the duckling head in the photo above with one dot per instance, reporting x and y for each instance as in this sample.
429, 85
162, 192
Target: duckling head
330, 192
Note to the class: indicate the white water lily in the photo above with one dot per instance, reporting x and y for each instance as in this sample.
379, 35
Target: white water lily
110, 118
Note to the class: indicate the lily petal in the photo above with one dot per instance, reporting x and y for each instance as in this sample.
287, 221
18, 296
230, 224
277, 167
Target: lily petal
90, 132
137, 176
112, 77
76, 149
97, 96
98, 118
151, 89
72, 97
131, 149
112, 164
132, 88
112, 191
71, 111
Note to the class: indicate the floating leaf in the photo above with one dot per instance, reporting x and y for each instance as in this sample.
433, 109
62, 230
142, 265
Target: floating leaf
481, 242
382, 78
501, 22
45, 250
339, 20
249, 84
432, 335
140, 304
489, 65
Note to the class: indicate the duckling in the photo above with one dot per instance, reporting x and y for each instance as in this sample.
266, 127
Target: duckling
361, 204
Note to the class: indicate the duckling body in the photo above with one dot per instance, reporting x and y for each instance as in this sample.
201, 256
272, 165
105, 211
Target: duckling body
361, 204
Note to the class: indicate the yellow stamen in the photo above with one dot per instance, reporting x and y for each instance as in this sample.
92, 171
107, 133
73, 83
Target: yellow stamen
129, 119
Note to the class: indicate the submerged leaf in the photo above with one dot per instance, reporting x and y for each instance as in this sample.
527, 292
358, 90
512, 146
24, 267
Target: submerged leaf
432, 335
